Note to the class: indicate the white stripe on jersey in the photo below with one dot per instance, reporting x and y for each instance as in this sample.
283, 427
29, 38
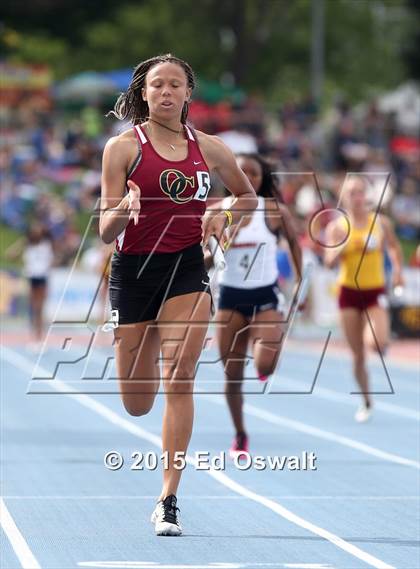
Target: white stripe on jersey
120, 240
190, 136
141, 135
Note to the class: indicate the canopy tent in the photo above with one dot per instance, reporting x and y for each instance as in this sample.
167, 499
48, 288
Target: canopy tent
87, 86
405, 103
93, 86
120, 77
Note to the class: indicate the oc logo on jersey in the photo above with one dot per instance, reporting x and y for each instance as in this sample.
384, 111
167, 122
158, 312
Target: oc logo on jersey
173, 183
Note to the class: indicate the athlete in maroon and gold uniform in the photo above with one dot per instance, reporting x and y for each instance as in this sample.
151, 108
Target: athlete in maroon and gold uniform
159, 287
360, 239
162, 221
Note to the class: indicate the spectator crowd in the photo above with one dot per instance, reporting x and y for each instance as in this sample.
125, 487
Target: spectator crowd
50, 162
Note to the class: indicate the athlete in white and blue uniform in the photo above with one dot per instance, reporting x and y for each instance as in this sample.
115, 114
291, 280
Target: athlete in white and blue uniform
248, 300
249, 282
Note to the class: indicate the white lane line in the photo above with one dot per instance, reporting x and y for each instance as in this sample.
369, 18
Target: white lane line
319, 433
22, 363
222, 565
347, 399
323, 393
211, 497
332, 395
341, 354
17, 541
399, 382
299, 521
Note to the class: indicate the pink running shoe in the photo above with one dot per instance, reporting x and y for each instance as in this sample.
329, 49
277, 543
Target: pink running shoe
263, 378
239, 446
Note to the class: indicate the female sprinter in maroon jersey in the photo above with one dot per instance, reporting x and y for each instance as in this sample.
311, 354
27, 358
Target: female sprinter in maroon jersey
155, 183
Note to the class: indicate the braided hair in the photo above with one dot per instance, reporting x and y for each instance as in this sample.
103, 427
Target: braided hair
131, 106
269, 185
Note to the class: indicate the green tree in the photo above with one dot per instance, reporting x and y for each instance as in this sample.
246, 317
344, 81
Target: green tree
260, 45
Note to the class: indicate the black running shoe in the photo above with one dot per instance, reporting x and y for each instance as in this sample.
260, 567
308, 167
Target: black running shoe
165, 517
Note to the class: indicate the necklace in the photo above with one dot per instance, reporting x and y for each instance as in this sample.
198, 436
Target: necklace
167, 128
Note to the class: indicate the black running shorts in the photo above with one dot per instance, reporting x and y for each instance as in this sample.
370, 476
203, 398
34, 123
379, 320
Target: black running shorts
140, 284
249, 301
